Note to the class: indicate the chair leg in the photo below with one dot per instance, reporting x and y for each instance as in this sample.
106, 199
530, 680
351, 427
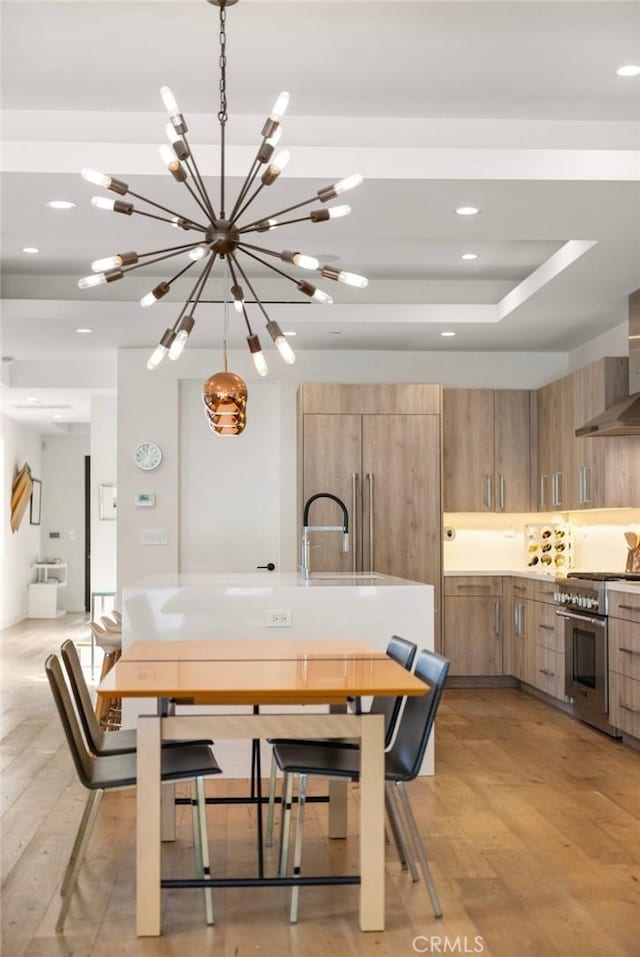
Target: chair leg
285, 820
272, 802
399, 835
204, 847
77, 854
297, 851
419, 847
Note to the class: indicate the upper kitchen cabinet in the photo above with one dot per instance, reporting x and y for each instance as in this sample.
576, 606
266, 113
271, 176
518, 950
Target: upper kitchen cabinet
486, 448
556, 445
606, 467
378, 448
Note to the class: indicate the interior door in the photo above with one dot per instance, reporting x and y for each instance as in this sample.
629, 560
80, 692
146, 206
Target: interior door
332, 457
230, 485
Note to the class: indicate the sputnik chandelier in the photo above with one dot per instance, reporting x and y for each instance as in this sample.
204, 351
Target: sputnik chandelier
221, 236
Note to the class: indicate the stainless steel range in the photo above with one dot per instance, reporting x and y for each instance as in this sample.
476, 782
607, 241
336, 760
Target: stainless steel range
584, 599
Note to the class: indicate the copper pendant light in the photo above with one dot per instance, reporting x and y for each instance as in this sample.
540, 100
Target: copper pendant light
225, 403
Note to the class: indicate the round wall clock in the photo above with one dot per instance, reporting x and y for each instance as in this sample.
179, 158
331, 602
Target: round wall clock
147, 456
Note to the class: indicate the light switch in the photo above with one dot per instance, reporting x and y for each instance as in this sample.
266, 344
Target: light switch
154, 536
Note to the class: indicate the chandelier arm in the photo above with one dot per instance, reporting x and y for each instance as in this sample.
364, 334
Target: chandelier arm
251, 289
250, 177
163, 219
203, 196
165, 209
197, 290
267, 264
248, 203
197, 199
281, 212
168, 249
286, 222
231, 260
197, 176
180, 272
158, 259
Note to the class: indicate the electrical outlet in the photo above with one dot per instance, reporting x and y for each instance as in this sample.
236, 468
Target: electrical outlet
279, 619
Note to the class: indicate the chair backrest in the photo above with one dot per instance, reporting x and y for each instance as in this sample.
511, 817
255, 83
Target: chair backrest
81, 757
92, 731
404, 652
418, 716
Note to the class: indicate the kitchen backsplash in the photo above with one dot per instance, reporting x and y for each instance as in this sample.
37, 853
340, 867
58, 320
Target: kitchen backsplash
497, 542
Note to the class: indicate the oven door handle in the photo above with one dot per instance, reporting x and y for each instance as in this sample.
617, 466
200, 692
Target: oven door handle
590, 621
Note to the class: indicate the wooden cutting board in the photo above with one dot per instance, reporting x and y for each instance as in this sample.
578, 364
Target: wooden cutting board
20, 496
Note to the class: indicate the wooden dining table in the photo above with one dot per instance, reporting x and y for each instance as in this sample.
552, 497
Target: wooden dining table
285, 672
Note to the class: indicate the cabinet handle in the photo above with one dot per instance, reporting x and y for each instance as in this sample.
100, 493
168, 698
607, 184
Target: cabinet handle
489, 493
581, 499
354, 519
629, 651
502, 492
498, 609
627, 707
629, 607
543, 497
548, 627
478, 587
370, 484
587, 484
556, 498
519, 620
545, 671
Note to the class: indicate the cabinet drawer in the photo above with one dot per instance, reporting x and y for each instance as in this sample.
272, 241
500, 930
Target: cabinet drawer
467, 586
544, 591
549, 675
624, 648
624, 703
523, 587
549, 629
625, 605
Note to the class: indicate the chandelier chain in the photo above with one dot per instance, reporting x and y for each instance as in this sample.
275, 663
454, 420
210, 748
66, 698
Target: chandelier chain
222, 113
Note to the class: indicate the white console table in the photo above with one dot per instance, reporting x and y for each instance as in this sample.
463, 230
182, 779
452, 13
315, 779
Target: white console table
43, 593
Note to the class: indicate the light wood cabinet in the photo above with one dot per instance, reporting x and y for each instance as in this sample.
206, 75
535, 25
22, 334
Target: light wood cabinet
385, 465
556, 443
486, 450
548, 673
474, 625
624, 703
624, 662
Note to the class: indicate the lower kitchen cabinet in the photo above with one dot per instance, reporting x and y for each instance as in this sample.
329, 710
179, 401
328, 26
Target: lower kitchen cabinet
624, 667
473, 625
549, 671
522, 661
624, 703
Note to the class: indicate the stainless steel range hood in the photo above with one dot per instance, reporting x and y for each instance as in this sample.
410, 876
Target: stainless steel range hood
624, 417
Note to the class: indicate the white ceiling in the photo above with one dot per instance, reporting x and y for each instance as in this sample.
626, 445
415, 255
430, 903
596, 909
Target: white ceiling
511, 106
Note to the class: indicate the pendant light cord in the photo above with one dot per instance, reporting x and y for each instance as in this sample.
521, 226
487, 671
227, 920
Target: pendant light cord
222, 112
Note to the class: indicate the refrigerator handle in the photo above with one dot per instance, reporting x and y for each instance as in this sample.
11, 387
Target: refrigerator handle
371, 552
354, 521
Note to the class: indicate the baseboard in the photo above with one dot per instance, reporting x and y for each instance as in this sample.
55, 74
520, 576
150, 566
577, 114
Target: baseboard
482, 681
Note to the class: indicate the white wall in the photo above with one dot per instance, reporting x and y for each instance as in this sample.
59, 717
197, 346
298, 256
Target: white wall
63, 511
614, 342
19, 445
148, 405
104, 450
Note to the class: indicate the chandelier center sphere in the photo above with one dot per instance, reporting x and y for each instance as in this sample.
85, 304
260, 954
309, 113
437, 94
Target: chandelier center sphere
223, 237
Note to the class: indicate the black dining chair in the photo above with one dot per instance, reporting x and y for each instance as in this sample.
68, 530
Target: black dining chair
402, 763
107, 772
404, 653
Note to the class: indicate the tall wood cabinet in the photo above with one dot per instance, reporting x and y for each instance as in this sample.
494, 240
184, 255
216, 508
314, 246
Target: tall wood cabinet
486, 450
378, 448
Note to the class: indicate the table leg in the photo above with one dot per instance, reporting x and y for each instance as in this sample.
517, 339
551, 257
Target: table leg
338, 791
372, 823
168, 812
148, 850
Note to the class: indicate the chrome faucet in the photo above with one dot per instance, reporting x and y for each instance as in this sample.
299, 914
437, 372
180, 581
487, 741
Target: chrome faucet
306, 528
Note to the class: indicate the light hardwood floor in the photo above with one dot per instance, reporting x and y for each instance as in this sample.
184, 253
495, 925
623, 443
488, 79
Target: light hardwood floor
532, 821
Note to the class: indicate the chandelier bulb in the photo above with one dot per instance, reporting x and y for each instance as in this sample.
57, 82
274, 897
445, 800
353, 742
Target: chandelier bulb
279, 107
257, 354
160, 290
110, 262
274, 169
299, 259
348, 278
349, 183
180, 148
281, 344
184, 331
97, 279
275, 137
266, 225
337, 212
161, 350
112, 205
199, 252
179, 223
98, 179
169, 100
238, 298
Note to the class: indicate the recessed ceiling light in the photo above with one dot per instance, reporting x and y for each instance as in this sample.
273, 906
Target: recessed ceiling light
291, 333
30, 249
467, 210
447, 333
469, 256
57, 415
60, 204
84, 331
630, 70
32, 398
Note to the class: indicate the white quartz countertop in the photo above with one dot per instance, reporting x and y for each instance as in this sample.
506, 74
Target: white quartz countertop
632, 588
506, 573
272, 580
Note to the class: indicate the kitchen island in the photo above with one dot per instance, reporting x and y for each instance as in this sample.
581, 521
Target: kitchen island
270, 606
